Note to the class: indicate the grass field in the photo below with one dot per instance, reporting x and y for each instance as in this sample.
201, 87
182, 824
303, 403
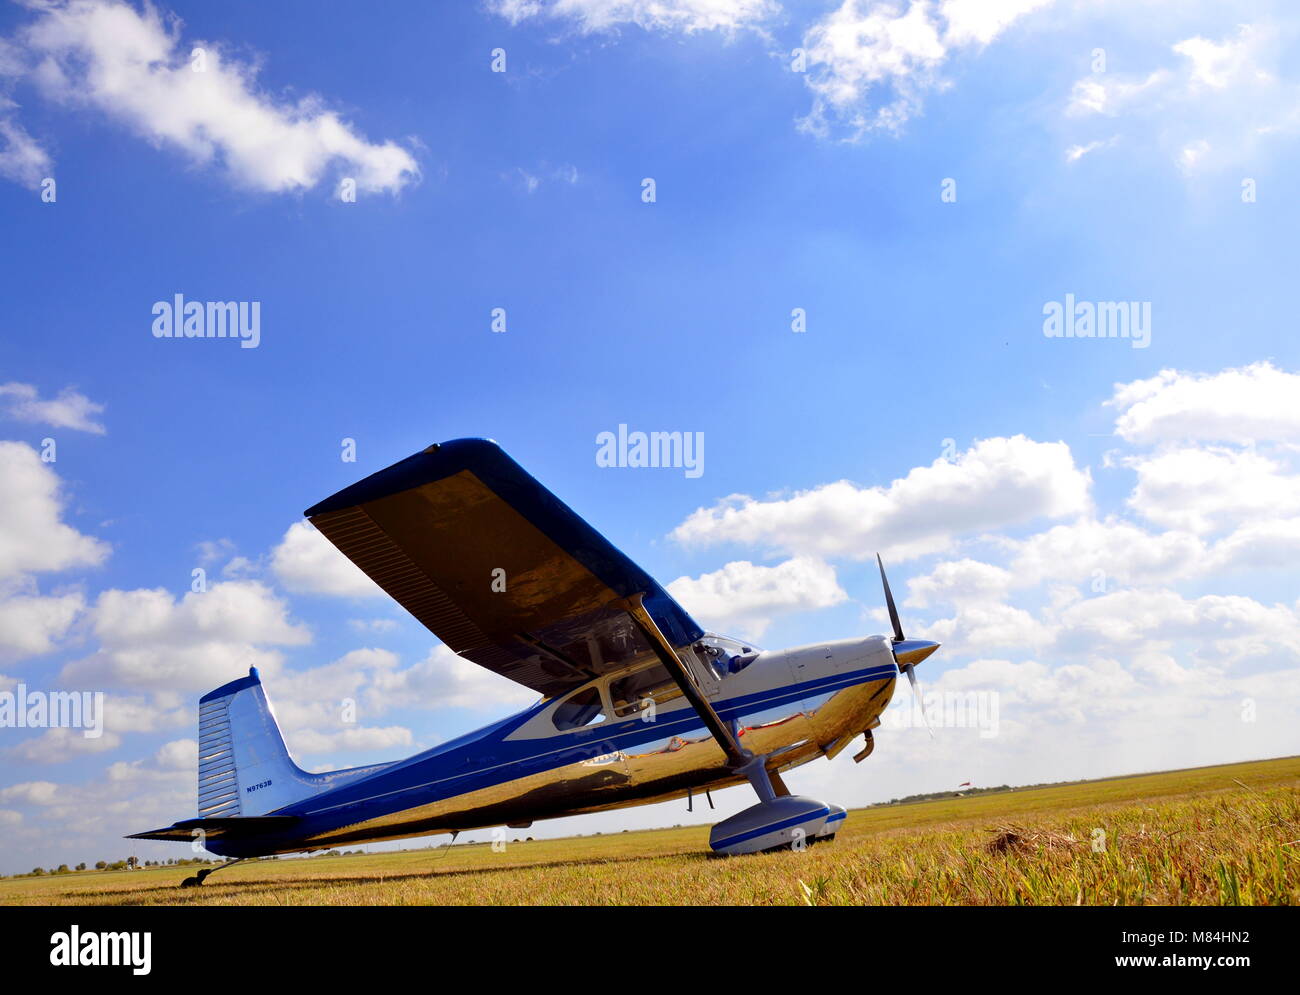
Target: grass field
1226, 835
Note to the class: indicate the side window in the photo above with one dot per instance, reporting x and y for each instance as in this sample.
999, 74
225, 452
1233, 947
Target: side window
583, 709
628, 693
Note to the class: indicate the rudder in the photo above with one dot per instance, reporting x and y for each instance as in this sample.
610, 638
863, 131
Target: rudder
244, 767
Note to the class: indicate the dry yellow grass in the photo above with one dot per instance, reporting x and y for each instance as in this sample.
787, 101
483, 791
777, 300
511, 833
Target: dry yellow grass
1209, 836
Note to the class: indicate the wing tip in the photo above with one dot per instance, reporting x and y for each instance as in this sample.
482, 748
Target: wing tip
408, 472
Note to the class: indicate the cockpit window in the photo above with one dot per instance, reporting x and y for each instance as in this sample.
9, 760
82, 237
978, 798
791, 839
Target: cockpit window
632, 693
583, 709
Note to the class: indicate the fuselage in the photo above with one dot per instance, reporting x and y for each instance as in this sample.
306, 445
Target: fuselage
626, 738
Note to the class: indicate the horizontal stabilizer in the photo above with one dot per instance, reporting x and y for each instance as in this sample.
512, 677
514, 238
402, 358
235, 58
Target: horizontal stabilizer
229, 827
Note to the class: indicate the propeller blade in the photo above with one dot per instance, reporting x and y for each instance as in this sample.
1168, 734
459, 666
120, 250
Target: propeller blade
889, 600
910, 670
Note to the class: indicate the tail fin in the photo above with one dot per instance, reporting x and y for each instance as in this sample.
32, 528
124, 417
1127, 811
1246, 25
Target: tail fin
244, 766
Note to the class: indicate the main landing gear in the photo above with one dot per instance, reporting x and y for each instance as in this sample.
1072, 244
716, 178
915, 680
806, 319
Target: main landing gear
777, 822
780, 820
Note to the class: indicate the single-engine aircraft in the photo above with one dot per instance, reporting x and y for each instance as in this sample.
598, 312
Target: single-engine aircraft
638, 703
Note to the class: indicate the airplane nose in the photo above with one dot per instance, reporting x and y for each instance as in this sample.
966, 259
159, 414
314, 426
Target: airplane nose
910, 652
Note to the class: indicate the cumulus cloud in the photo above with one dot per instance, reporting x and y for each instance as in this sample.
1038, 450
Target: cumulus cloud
133, 66
1108, 551
71, 409
743, 598
871, 63
997, 483
959, 582
60, 744
685, 16
89, 819
356, 739
333, 708
313, 698
445, 680
148, 639
1225, 628
30, 793
1205, 490
33, 537
31, 624
983, 627
1240, 404
308, 563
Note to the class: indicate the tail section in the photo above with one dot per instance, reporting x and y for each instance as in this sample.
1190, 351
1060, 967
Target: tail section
244, 767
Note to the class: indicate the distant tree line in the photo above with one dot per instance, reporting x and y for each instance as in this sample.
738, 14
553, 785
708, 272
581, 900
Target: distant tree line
113, 865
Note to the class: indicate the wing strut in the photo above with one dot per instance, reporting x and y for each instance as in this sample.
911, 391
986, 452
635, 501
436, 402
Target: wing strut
736, 756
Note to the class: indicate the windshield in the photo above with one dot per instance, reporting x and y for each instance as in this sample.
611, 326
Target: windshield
725, 655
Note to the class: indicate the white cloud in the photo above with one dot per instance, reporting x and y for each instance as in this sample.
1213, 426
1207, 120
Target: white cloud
307, 742
30, 793
1258, 545
149, 640
133, 66
979, 22
326, 709
31, 624
179, 754
872, 50
313, 698
373, 625
212, 550
531, 180
71, 409
60, 744
686, 16
982, 627
959, 582
1205, 490
1210, 108
32, 536
1110, 551
743, 598
1242, 405
22, 159
1224, 629
308, 563
997, 483
445, 680
1076, 152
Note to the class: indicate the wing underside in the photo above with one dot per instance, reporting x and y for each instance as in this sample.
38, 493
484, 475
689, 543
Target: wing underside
497, 567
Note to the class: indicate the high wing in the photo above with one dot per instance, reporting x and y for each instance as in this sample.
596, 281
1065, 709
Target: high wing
498, 567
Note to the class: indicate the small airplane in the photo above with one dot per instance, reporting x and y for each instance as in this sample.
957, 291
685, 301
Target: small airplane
639, 704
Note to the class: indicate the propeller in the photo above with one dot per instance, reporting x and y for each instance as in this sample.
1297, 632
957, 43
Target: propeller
907, 652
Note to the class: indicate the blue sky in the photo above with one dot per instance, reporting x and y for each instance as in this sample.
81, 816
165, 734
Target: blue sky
775, 190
